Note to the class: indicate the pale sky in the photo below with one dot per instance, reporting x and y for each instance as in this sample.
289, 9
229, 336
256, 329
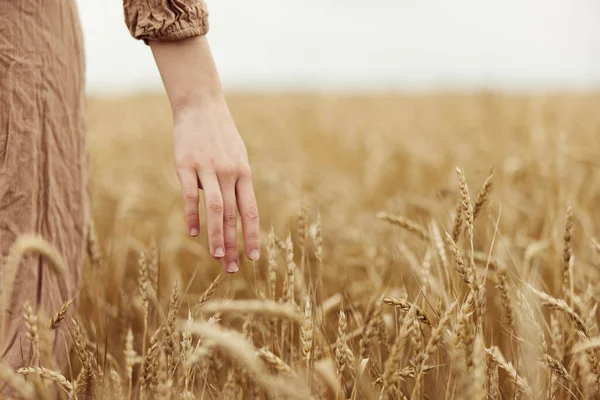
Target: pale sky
369, 45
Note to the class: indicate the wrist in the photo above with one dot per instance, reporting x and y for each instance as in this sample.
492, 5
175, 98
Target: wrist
193, 102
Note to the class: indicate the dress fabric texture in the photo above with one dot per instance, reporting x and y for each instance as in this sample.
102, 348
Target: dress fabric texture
43, 189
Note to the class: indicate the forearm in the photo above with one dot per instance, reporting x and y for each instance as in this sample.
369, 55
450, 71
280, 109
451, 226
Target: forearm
208, 150
188, 73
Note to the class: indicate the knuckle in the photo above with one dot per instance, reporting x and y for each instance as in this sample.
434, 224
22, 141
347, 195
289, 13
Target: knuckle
191, 218
230, 217
216, 235
191, 212
226, 170
231, 246
253, 236
244, 171
209, 163
190, 196
251, 214
184, 162
216, 206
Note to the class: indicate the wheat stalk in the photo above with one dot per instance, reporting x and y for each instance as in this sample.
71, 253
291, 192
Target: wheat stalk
467, 207
60, 315
498, 358
31, 320
567, 289
463, 271
541, 338
144, 292
210, 291
493, 380
368, 331
149, 376
275, 363
153, 256
307, 334
258, 307
457, 224
559, 370
93, 245
170, 329
405, 306
87, 359
432, 345
50, 375
390, 376
303, 233
479, 370
130, 359
116, 384
234, 346
483, 195
341, 358
405, 223
319, 250
560, 305
504, 295
272, 262
291, 269
16, 383
23, 245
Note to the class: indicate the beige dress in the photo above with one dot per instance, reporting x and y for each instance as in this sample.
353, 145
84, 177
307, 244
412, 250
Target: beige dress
42, 144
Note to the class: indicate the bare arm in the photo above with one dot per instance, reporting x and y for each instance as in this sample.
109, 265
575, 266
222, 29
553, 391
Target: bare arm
209, 152
188, 72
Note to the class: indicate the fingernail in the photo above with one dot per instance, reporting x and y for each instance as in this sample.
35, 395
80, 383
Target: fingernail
232, 267
194, 232
219, 252
254, 255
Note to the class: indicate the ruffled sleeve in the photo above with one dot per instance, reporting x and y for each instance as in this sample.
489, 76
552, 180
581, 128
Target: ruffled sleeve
165, 20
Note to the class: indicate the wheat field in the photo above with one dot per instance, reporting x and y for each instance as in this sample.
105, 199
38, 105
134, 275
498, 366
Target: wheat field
413, 247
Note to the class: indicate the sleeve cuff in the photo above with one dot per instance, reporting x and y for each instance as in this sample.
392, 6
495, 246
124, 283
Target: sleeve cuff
164, 22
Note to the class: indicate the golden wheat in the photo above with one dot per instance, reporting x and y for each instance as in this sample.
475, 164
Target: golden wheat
341, 306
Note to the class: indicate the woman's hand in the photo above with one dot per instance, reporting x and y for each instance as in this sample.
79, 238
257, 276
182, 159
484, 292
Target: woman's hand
209, 152
210, 155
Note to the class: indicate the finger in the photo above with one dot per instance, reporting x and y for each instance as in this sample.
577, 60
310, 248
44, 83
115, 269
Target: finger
249, 213
189, 189
213, 201
230, 261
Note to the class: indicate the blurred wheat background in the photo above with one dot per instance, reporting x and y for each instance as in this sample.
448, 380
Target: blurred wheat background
324, 167
439, 244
